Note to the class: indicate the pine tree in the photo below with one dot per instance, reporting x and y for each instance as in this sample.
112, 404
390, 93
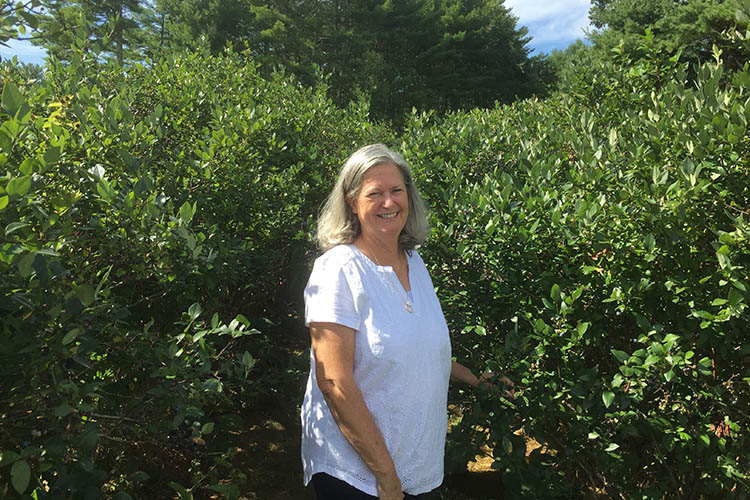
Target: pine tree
112, 23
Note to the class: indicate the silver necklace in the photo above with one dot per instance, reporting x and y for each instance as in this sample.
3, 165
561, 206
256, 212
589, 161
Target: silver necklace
407, 305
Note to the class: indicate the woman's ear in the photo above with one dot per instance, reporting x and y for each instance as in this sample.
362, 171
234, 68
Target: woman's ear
352, 204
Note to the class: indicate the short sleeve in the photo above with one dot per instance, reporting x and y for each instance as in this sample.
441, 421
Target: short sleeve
328, 295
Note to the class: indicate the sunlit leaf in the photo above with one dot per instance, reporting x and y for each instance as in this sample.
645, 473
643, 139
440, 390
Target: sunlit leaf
194, 311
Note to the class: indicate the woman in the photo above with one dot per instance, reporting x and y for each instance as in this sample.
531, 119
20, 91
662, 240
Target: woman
374, 416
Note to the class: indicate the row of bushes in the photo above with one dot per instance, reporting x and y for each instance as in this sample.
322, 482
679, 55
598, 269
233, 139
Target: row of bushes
595, 253
140, 209
595, 247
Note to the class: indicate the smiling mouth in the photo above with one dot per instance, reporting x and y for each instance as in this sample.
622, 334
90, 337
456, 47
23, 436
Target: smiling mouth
388, 216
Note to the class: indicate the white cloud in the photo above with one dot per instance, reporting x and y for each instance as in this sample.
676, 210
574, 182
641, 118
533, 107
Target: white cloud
551, 23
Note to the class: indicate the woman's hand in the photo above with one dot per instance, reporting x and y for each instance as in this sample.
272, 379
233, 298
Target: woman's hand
489, 378
389, 488
461, 373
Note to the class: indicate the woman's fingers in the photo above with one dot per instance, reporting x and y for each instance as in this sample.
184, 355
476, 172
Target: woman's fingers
489, 378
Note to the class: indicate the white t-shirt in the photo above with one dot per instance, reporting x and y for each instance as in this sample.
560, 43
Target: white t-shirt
402, 364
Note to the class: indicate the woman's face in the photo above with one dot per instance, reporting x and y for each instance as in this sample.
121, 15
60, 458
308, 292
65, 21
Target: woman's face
382, 205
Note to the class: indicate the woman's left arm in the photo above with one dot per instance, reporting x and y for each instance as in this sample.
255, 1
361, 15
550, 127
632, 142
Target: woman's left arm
462, 374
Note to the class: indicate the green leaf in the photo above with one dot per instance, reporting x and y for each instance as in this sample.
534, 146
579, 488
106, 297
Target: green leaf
207, 428
51, 156
490, 227
130, 161
85, 293
671, 338
507, 445
608, 397
19, 186
62, 410
8, 457
20, 474
104, 189
187, 211
612, 447
582, 327
3, 202
590, 269
702, 314
724, 261
12, 100
213, 385
555, 293
649, 242
139, 476
25, 265
89, 439
14, 226
71, 336
143, 185
621, 356
247, 362
194, 311
182, 493
651, 359
480, 330
27, 166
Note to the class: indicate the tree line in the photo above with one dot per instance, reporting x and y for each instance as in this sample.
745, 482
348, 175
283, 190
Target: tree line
442, 54
396, 55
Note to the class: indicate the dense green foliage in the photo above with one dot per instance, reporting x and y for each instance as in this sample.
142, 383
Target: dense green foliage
593, 246
687, 29
692, 26
138, 211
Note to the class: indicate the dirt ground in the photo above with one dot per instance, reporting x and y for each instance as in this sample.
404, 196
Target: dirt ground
275, 469
266, 448
267, 451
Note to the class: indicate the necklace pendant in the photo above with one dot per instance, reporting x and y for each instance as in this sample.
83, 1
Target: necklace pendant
409, 308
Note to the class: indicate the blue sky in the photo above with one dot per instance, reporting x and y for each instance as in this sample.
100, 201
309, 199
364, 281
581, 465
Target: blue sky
552, 24
25, 51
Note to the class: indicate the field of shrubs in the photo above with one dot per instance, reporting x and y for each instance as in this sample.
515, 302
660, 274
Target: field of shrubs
155, 237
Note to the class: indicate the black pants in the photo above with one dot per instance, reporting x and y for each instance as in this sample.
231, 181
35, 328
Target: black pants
330, 488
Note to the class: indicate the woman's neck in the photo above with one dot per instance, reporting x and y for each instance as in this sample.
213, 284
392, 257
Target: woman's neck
382, 253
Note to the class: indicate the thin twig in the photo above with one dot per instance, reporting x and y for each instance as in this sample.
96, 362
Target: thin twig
115, 417
746, 212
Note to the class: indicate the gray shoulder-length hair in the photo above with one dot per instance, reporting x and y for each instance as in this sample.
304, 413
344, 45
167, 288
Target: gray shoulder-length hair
337, 223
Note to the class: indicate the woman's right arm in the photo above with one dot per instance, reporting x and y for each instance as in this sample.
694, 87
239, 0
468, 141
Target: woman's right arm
333, 345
